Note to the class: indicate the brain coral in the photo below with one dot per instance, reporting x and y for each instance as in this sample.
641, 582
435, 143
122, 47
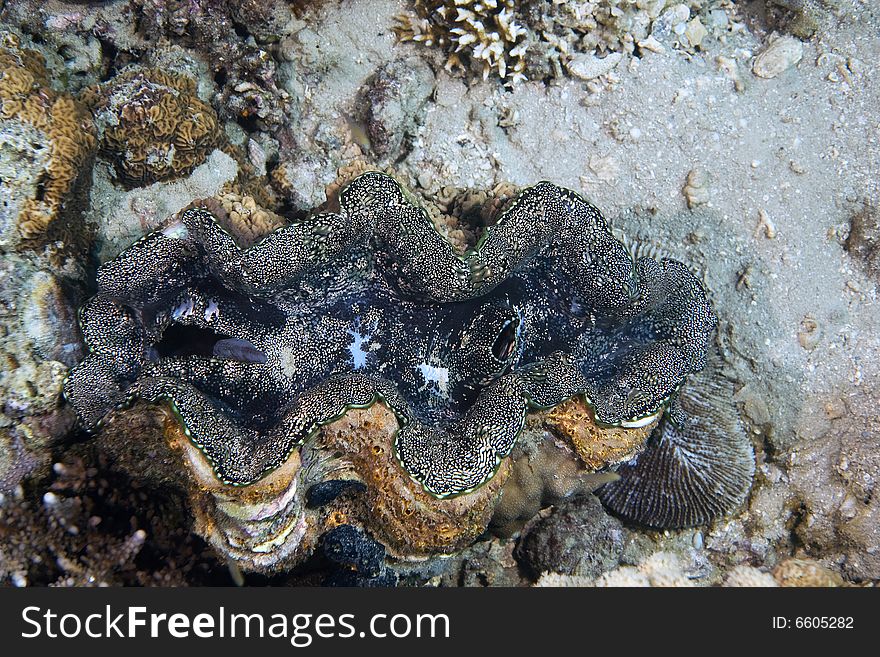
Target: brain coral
258, 348
45, 138
153, 126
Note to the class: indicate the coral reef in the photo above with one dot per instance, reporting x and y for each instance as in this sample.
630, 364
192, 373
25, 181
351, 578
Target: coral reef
515, 41
484, 33
392, 100
152, 125
641, 105
187, 315
244, 69
46, 138
37, 345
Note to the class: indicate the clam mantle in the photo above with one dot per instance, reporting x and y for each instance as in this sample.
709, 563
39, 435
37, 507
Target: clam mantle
258, 348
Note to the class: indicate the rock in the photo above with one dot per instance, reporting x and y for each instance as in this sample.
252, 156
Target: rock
660, 570
748, 576
486, 563
393, 101
834, 480
46, 144
781, 54
694, 33
696, 190
651, 44
576, 538
586, 66
863, 241
805, 572
123, 216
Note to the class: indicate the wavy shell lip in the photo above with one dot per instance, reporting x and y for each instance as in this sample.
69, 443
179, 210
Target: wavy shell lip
300, 293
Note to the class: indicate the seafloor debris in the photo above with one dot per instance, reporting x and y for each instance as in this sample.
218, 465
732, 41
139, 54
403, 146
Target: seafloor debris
781, 54
45, 139
259, 348
152, 124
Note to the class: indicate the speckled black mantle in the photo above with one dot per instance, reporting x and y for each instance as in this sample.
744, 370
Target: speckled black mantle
257, 348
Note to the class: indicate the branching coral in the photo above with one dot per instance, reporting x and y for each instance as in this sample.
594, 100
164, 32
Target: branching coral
537, 39
45, 139
483, 33
153, 125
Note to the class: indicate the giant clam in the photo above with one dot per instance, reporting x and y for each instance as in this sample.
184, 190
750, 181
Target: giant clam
359, 345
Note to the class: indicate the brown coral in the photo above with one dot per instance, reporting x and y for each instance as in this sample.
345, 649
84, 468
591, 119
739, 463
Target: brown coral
154, 126
243, 217
45, 138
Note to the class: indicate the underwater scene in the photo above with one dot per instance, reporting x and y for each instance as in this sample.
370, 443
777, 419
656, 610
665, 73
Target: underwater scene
447, 293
